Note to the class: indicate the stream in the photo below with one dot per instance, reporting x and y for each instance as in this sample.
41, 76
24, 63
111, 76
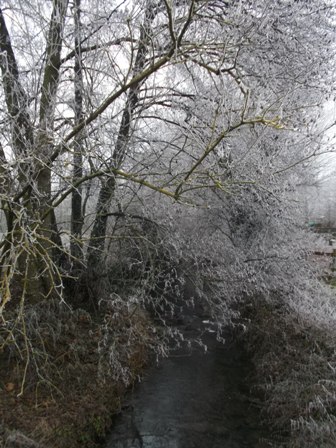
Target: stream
193, 399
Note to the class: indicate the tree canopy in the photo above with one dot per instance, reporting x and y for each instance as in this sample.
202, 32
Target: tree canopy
143, 141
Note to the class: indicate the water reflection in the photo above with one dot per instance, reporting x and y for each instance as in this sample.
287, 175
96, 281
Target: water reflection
191, 400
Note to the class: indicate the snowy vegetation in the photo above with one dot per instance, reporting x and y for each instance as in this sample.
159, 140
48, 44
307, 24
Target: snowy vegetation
153, 155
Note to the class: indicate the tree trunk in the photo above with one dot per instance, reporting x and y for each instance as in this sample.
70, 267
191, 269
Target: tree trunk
28, 218
77, 219
48, 232
108, 187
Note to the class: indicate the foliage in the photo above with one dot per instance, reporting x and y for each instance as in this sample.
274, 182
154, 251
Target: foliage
197, 97
150, 154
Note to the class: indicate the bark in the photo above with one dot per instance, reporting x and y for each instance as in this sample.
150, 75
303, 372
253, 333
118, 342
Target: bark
13, 256
4, 185
77, 218
16, 102
46, 122
18, 254
107, 190
48, 94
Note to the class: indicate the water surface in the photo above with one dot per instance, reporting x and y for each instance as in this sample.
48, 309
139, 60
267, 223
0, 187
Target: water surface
191, 400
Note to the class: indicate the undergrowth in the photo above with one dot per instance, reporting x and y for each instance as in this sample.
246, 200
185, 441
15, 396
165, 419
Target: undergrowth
67, 369
295, 359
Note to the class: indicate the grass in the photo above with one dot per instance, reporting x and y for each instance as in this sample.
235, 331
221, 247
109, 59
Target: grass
66, 401
295, 361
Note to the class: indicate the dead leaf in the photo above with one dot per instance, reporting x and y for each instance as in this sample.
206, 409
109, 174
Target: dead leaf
9, 387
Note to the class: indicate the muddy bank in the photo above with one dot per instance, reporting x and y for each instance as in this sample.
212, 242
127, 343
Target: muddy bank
192, 399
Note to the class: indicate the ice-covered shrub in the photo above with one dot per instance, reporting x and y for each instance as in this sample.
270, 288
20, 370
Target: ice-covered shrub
295, 360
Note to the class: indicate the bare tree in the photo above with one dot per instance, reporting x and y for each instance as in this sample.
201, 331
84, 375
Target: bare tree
133, 99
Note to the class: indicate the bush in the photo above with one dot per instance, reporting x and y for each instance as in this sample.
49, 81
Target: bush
295, 362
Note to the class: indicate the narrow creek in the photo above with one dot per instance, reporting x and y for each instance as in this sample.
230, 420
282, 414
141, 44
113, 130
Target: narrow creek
192, 399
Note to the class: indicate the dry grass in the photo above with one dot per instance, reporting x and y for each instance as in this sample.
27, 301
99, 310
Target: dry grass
65, 401
295, 360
